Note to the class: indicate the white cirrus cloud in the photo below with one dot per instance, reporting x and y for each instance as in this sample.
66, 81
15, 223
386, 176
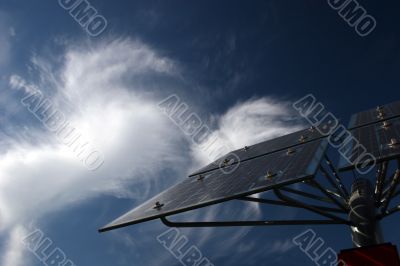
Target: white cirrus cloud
107, 92
91, 89
14, 255
247, 123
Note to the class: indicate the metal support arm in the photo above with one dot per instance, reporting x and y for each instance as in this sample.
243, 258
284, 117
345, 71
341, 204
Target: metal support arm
391, 191
310, 208
390, 212
380, 181
246, 223
289, 204
332, 182
334, 200
337, 177
307, 195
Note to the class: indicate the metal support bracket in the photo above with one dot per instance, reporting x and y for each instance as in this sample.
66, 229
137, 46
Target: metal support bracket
289, 204
246, 223
310, 208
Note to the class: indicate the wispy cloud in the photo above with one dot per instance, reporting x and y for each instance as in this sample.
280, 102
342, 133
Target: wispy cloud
108, 93
14, 255
250, 122
280, 246
94, 96
125, 123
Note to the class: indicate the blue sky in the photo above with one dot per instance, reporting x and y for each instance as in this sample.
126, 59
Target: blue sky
238, 65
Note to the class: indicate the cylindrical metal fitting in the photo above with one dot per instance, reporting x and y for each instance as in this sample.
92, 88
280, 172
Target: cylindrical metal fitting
365, 230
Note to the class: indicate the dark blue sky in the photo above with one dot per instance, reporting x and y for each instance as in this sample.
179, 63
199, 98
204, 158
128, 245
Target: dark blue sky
281, 48
227, 52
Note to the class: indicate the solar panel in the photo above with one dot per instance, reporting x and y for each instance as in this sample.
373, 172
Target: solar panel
381, 139
380, 113
260, 149
253, 176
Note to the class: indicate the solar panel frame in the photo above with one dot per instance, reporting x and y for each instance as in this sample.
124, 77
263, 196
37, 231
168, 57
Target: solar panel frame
371, 116
263, 148
376, 139
248, 179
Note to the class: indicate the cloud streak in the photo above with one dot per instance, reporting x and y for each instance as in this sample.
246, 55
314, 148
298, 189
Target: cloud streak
14, 255
108, 93
93, 92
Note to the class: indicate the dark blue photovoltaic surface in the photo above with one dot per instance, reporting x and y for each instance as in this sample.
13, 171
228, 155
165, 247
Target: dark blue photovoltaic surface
252, 176
377, 114
379, 139
263, 148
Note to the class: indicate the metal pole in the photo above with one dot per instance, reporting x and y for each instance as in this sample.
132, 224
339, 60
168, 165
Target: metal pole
365, 229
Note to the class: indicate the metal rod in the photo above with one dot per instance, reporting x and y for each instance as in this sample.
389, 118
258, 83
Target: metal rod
322, 189
380, 180
289, 204
245, 223
333, 193
307, 195
332, 182
389, 212
391, 191
310, 208
387, 187
386, 190
336, 175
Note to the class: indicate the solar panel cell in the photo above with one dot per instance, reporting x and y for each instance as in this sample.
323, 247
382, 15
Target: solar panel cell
260, 149
253, 176
380, 139
380, 113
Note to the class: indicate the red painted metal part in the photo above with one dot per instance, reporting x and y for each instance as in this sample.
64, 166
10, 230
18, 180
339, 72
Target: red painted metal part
377, 255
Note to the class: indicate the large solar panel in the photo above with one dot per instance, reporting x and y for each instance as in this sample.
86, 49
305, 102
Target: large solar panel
253, 176
381, 139
380, 113
260, 149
